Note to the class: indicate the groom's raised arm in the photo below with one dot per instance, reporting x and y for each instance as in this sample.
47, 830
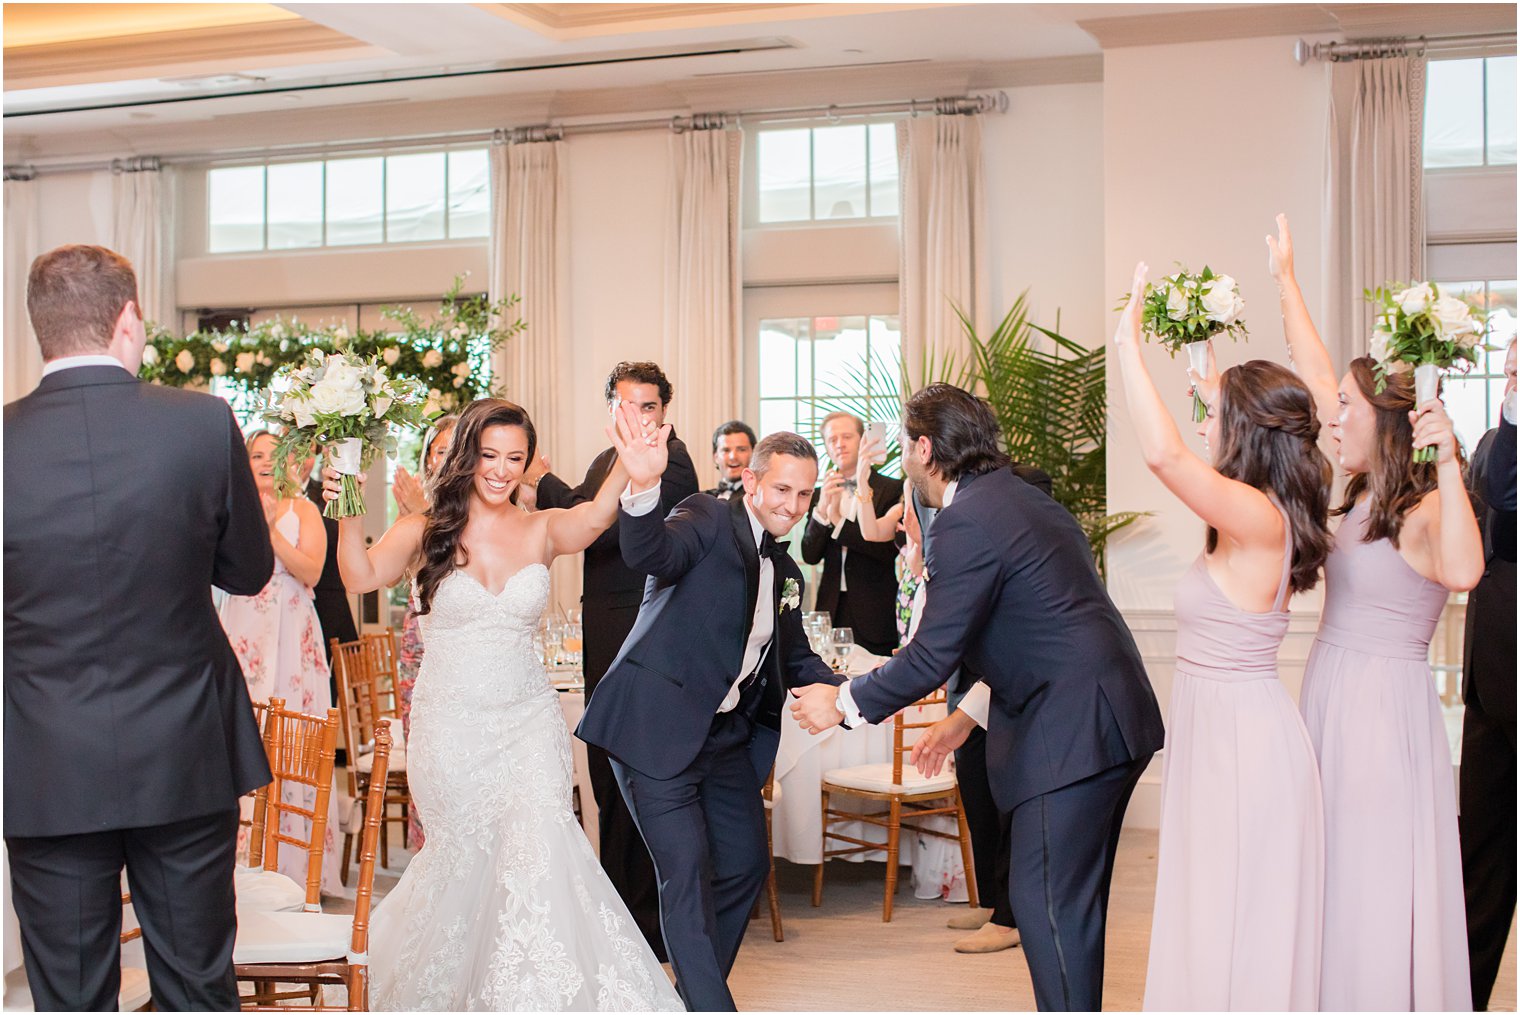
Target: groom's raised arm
665, 547
963, 585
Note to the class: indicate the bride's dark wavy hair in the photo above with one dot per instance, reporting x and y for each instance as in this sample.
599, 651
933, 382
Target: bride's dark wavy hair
1268, 434
453, 487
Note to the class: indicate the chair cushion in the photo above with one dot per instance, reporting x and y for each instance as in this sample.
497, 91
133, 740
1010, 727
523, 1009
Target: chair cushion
395, 763
350, 814
267, 891
292, 937
878, 779
775, 797
134, 991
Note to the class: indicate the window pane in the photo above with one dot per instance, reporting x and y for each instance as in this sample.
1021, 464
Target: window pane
469, 193
839, 351
785, 169
414, 197
1501, 323
778, 356
1454, 113
295, 205
778, 414
236, 208
886, 364
1501, 110
839, 172
1464, 398
355, 201
883, 140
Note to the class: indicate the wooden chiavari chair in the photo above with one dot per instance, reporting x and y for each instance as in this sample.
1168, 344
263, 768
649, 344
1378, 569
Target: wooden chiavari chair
355, 669
260, 885
909, 797
771, 793
318, 948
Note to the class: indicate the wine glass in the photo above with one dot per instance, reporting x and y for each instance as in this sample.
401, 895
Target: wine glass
842, 640
572, 643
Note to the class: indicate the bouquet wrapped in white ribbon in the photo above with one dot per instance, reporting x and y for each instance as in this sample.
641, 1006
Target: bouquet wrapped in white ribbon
1184, 311
346, 407
1420, 329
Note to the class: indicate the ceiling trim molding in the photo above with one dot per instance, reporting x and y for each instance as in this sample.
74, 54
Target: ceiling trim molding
566, 21
91, 60
1207, 25
1431, 20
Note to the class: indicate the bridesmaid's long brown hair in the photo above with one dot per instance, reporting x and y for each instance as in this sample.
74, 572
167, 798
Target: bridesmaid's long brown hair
454, 486
1394, 483
1268, 434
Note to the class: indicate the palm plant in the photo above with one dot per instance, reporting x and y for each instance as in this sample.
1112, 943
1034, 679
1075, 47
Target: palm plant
1050, 399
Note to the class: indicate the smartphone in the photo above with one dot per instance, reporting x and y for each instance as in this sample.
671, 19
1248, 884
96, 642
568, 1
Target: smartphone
876, 431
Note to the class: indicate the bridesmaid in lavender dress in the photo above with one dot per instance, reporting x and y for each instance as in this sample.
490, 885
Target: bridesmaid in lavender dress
1239, 881
1395, 926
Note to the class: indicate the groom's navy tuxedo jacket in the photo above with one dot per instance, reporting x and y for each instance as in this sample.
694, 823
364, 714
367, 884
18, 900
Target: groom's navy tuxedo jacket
653, 709
1013, 592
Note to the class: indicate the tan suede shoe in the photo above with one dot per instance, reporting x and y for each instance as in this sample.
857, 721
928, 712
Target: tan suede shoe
971, 919
990, 938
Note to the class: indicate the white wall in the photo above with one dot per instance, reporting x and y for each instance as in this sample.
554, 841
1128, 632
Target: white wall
1203, 143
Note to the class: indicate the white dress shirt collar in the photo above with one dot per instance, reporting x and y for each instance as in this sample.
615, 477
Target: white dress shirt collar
69, 362
949, 494
755, 528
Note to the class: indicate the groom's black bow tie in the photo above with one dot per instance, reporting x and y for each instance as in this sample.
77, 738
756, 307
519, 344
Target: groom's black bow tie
770, 546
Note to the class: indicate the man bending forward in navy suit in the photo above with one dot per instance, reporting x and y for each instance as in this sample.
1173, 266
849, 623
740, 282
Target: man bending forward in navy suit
690, 710
1070, 716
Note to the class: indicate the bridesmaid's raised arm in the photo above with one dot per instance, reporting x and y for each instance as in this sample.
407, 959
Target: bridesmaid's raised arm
1306, 350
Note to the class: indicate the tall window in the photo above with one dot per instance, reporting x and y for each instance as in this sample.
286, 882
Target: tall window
811, 366
416, 197
1470, 113
818, 174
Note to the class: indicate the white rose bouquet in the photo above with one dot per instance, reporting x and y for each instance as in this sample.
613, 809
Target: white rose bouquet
347, 407
1420, 329
1184, 311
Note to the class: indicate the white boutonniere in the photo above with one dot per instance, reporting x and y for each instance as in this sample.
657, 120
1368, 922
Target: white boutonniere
791, 595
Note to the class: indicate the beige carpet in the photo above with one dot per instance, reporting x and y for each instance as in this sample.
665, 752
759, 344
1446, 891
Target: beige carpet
841, 957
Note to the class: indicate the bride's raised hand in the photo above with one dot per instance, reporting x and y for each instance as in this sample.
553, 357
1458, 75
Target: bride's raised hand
640, 445
1128, 331
1280, 252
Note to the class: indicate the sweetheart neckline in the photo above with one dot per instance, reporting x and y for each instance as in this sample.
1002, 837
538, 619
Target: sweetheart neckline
506, 585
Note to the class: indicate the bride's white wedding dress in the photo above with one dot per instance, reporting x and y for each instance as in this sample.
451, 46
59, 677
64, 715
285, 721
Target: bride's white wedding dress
506, 907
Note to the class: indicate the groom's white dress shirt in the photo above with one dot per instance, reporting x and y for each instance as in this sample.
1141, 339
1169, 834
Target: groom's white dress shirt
764, 625
69, 362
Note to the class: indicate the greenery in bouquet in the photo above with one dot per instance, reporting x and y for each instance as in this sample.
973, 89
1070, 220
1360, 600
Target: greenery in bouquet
1418, 328
449, 352
346, 407
1183, 309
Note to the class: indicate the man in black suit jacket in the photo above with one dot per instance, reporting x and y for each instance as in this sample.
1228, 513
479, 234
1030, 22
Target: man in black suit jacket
1488, 721
691, 709
129, 735
733, 443
1014, 593
858, 587
610, 594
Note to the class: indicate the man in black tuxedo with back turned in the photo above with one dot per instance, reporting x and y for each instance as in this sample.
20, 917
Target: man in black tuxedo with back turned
858, 587
129, 735
691, 709
610, 596
1014, 594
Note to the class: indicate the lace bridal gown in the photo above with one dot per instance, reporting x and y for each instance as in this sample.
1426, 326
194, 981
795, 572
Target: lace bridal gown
505, 908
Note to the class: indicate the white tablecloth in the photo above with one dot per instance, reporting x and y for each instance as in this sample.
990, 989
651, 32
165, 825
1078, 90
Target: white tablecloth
797, 822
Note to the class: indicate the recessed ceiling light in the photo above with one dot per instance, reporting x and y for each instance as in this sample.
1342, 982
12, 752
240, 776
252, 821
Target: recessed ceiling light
854, 51
215, 81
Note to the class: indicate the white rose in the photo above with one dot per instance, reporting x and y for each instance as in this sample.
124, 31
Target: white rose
1452, 318
150, 355
390, 356
342, 331
342, 374
381, 405
301, 409
218, 368
1379, 347
278, 331
1415, 299
1219, 302
185, 361
245, 362
344, 400
432, 358
1176, 303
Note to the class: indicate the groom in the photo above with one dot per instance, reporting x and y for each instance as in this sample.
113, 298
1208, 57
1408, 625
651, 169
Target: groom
690, 710
1013, 593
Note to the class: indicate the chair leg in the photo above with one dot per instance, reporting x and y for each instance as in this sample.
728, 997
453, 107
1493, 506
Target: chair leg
770, 882
823, 857
972, 893
385, 838
894, 828
348, 848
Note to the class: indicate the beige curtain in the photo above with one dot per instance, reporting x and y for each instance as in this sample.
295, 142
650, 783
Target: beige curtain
141, 213
23, 360
528, 258
702, 349
1374, 222
944, 241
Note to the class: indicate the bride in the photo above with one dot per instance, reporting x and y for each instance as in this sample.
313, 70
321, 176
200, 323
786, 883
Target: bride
505, 907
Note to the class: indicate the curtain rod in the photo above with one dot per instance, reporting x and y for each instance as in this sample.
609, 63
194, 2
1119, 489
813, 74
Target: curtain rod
1369, 49
967, 105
